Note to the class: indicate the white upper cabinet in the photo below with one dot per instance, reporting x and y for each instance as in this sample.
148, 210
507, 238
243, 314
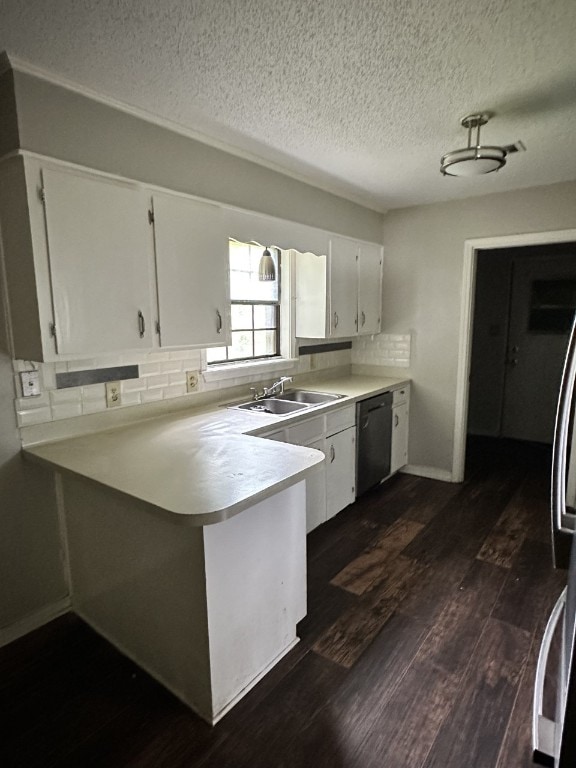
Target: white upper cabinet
369, 288
191, 243
99, 253
339, 295
343, 287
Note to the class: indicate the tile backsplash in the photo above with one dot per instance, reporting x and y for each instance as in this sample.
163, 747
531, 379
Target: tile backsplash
161, 376
386, 349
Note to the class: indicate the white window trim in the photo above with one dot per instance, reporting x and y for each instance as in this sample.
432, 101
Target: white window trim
287, 360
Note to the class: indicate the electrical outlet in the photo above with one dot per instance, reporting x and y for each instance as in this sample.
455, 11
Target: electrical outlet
30, 383
113, 396
192, 381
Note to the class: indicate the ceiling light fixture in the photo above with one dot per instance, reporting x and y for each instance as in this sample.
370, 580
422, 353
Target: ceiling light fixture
475, 159
266, 267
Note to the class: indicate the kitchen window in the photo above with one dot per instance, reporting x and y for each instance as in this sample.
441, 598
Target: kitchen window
255, 308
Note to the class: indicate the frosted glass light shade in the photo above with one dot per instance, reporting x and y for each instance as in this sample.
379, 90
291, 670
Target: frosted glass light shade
473, 161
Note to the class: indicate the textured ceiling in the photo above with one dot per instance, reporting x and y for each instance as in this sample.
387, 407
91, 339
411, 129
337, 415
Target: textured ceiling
361, 97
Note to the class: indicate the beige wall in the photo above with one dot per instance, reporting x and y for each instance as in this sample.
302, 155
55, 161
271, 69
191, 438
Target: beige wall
59, 123
423, 272
31, 573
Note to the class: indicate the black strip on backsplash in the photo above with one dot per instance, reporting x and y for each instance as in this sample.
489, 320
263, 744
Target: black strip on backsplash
96, 376
333, 346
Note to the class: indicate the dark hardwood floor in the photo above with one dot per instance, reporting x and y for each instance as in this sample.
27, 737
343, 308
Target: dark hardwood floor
427, 603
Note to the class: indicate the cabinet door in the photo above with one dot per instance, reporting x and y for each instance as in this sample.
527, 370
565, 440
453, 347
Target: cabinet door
340, 471
100, 263
192, 269
399, 452
316, 492
369, 288
343, 287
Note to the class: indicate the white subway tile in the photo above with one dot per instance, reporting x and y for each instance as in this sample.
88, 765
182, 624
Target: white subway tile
48, 375
94, 406
158, 357
177, 378
81, 365
35, 416
61, 367
20, 365
132, 385
174, 391
93, 392
150, 395
33, 403
149, 369
157, 381
66, 410
172, 366
131, 398
68, 395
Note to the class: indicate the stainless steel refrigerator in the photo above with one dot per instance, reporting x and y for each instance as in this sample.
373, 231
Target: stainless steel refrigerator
554, 740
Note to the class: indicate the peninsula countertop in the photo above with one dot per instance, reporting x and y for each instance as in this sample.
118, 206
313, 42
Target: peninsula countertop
201, 467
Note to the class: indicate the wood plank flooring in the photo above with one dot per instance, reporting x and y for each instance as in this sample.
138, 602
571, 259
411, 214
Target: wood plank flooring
426, 606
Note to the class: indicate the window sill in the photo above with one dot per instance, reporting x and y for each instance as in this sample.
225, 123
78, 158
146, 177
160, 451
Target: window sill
256, 368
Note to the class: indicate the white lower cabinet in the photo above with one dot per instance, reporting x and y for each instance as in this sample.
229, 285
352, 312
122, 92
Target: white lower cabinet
330, 487
316, 491
340, 471
400, 415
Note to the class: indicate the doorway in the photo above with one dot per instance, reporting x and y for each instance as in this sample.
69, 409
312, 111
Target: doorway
524, 302
471, 250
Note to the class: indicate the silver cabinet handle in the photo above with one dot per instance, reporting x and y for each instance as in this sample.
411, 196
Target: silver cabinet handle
363, 319
335, 319
219, 323
332, 454
396, 420
141, 324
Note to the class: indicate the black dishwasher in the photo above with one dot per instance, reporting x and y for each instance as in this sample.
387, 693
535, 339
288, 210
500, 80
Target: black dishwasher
373, 441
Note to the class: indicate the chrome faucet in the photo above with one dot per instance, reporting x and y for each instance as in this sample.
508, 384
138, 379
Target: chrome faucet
273, 389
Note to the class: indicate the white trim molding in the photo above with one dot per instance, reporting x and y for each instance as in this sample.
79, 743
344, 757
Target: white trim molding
471, 247
433, 473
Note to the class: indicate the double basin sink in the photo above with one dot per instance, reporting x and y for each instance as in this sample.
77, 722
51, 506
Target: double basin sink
288, 402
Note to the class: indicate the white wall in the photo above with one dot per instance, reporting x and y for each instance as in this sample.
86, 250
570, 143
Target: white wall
423, 272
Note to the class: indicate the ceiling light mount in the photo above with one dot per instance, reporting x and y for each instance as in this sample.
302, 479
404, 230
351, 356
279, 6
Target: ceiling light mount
475, 159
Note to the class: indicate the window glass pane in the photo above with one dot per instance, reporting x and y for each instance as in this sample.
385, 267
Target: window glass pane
264, 316
244, 283
215, 353
264, 343
241, 345
241, 316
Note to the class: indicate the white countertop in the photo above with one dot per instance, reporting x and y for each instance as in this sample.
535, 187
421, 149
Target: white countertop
199, 468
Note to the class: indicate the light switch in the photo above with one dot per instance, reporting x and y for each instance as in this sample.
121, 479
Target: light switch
30, 383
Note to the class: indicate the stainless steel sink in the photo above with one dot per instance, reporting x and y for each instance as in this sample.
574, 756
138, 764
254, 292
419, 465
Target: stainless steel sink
288, 402
272, 405
310, 398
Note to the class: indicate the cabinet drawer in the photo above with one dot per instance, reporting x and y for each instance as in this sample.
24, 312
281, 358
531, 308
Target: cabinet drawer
400, 396
306, 431
341, 419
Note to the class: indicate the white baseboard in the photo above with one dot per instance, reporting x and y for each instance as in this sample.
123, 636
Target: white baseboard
34, 621
432, 472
